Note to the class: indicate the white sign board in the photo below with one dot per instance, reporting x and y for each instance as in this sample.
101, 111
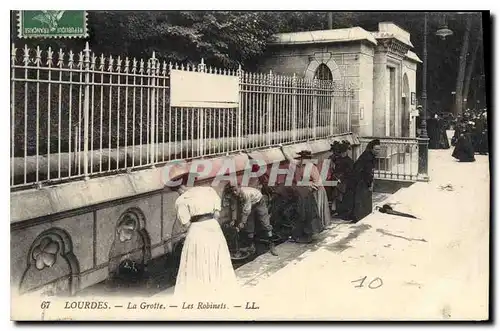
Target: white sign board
203, 90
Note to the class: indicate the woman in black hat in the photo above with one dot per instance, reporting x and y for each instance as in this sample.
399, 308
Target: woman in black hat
362, 182
306, 220
308, 173
464, 150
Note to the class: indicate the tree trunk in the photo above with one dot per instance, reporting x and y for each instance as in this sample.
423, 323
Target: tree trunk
470, 70
330, 20
461, 70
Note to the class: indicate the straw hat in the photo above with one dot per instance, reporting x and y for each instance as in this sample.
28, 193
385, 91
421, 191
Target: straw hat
180, 172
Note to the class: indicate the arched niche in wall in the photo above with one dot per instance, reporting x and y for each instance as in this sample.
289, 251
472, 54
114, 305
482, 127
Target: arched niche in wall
131, 248
318, 67
52, 268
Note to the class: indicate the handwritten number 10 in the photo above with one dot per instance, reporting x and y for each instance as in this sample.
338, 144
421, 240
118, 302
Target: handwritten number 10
375, 283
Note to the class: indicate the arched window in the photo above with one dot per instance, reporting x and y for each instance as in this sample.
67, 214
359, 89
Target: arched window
323, 72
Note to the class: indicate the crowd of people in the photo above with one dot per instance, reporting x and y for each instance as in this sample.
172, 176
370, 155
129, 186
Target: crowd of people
436, 131
470, 137
297, 211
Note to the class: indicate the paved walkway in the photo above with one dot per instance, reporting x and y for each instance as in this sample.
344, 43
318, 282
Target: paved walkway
431, 268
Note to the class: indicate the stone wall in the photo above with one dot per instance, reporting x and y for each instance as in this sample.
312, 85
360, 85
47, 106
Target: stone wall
70, 236
350, 63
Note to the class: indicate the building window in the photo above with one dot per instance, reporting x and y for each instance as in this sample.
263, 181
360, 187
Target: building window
323, 73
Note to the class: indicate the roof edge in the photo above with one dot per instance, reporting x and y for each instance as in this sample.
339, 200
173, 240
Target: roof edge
324, 36
413, 57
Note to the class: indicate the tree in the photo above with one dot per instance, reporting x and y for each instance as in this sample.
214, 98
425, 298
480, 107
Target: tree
472, 62
221, 38
461, 69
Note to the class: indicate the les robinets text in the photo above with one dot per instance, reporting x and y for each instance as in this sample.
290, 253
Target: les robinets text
144, 305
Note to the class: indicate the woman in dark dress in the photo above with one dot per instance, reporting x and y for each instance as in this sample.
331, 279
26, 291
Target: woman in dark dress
464, 150
362, 181
343, 172
313, 201
295, 211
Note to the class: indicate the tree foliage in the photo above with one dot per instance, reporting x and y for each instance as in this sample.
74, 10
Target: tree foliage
221, 38
227, 39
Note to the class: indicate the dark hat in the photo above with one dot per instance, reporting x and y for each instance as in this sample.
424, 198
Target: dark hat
344, 147
304, 155
335, 146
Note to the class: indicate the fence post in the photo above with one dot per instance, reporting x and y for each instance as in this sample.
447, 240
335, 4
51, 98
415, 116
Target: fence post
294, 107
238, 115
269, 108
201, 117
86, 104
423, 158
332, 110
315, 107
349, 95
153, 113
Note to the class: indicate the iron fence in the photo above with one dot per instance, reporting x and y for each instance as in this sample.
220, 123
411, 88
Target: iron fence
75, 115
398, 159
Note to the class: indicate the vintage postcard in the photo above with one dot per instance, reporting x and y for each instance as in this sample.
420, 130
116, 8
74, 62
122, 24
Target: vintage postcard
234, 166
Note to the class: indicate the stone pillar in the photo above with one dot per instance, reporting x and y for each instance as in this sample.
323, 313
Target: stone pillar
366, 76
379, 93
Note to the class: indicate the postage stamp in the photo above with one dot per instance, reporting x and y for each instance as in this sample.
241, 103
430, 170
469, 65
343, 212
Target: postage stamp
52, 24
248, 166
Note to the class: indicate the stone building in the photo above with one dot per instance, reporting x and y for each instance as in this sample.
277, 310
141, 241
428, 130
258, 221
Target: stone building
379, 66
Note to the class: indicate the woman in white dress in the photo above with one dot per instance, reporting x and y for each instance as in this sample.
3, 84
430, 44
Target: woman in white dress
205, 268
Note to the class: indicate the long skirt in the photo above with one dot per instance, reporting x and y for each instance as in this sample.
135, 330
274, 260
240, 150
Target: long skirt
345, 206
205, 268
464, 151
306, 220
363, 204
443, 140
323, 208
